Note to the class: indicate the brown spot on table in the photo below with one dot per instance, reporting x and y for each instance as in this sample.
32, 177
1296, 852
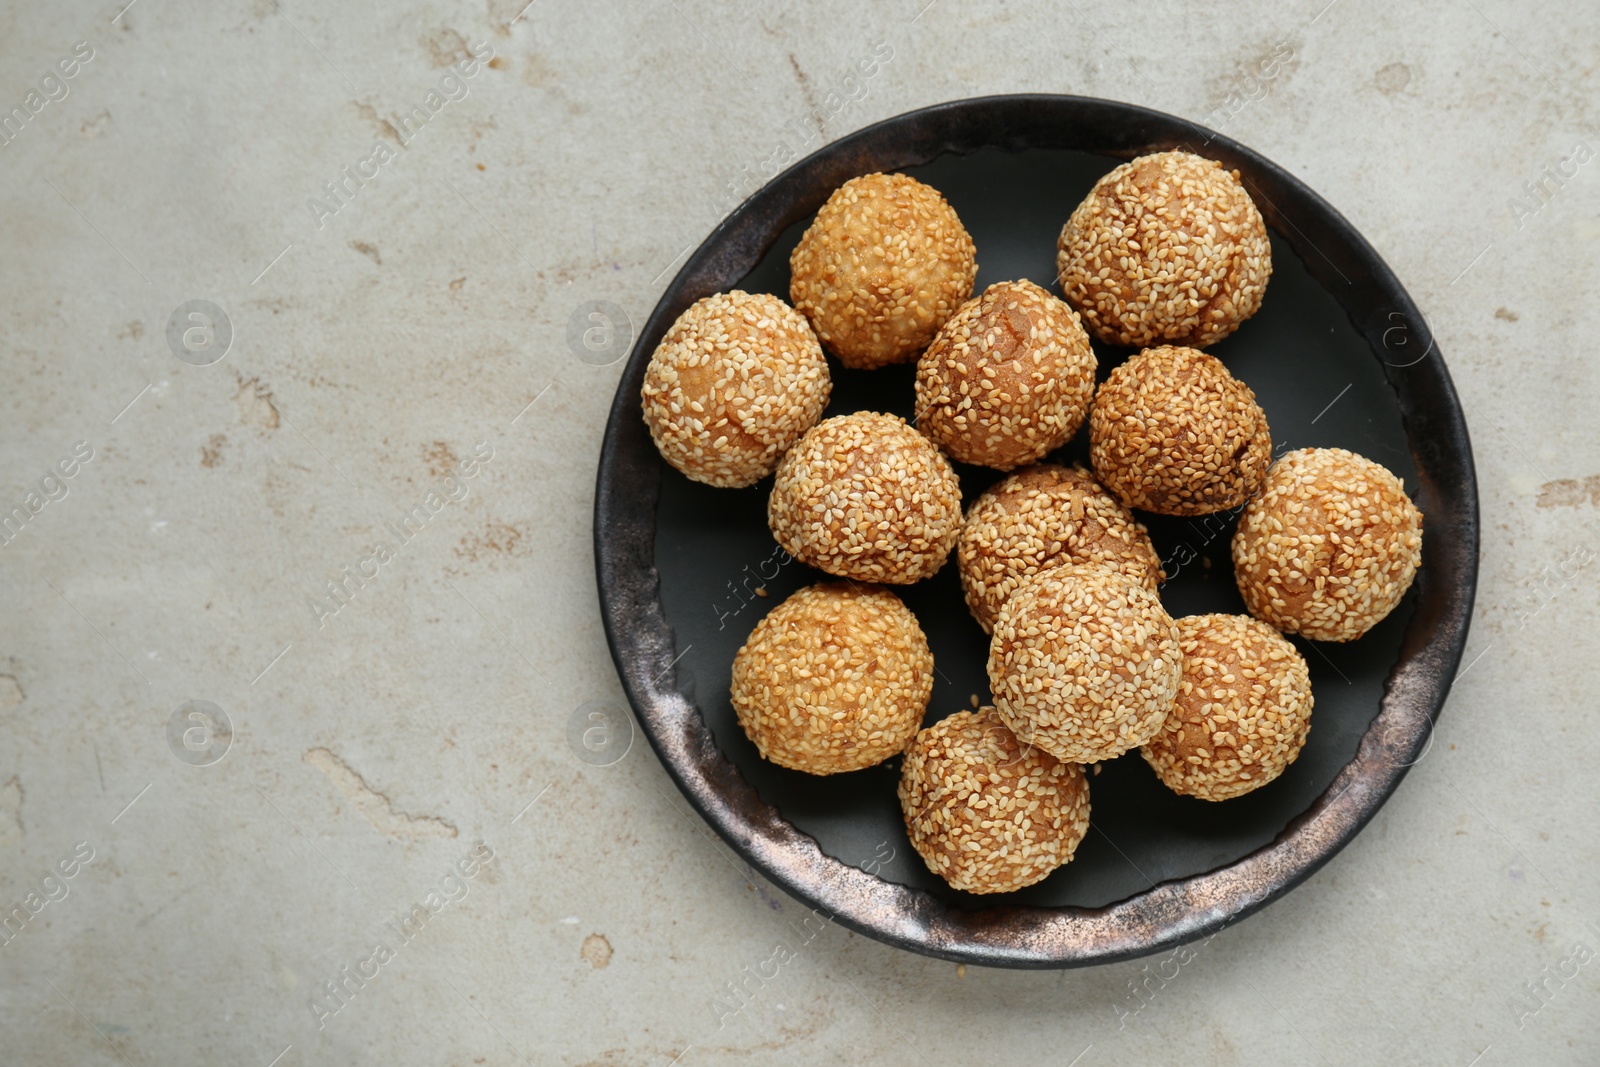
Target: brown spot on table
440, 458
536, 72
12, 796
805, 84
499, 538
1392, 78
596, 951
383, 126
96, 126
446, 46
255, 403
1570, 492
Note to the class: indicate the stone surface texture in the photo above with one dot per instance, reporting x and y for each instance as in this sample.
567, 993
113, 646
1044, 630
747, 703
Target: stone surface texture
419, 725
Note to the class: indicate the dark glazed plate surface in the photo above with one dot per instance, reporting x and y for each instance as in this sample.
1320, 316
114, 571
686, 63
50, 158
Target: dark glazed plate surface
1338, 356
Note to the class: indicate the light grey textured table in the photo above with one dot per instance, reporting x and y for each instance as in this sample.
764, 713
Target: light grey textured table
394, 335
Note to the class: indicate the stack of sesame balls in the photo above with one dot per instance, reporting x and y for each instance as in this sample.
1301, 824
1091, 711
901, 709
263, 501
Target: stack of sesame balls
1166, 255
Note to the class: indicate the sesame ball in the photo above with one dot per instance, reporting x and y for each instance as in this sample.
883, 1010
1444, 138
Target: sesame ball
1007, 379
1243, 709
1167, 247
1329, 546
883, 266
865, 496
834, 679
986, 812
1084, 663
1039, 518
1171, 431
735, 382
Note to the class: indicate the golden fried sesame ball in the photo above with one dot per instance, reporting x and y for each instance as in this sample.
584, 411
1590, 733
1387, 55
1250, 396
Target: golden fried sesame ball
865, 496
834, 679
1007, 379
1084, 663
1167, 247
1040, 518
1243, 709
735, 382
987, 813
1171, 431
1329, 546
881, 268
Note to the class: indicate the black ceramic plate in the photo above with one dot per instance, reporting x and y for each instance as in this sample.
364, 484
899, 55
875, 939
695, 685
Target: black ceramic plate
1338, 356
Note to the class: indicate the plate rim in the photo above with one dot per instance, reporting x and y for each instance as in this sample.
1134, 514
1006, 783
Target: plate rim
1169, 913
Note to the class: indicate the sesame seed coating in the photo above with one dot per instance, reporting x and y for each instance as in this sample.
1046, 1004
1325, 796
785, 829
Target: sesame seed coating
1084, 663
1007, 379
1171, 431
987, 813
883, 266
1329, 546
1039, 518
1166, 247
733, 384
865, 496
834, 679
1243, 709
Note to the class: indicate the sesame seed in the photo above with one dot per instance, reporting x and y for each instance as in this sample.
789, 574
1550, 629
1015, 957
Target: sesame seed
1007, 379
1084, 663
882, 267
1041, 517
865, 496
1242, 713
1171, 431
834, 679
985, 811
1166, 247
732, 386
1329, 546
